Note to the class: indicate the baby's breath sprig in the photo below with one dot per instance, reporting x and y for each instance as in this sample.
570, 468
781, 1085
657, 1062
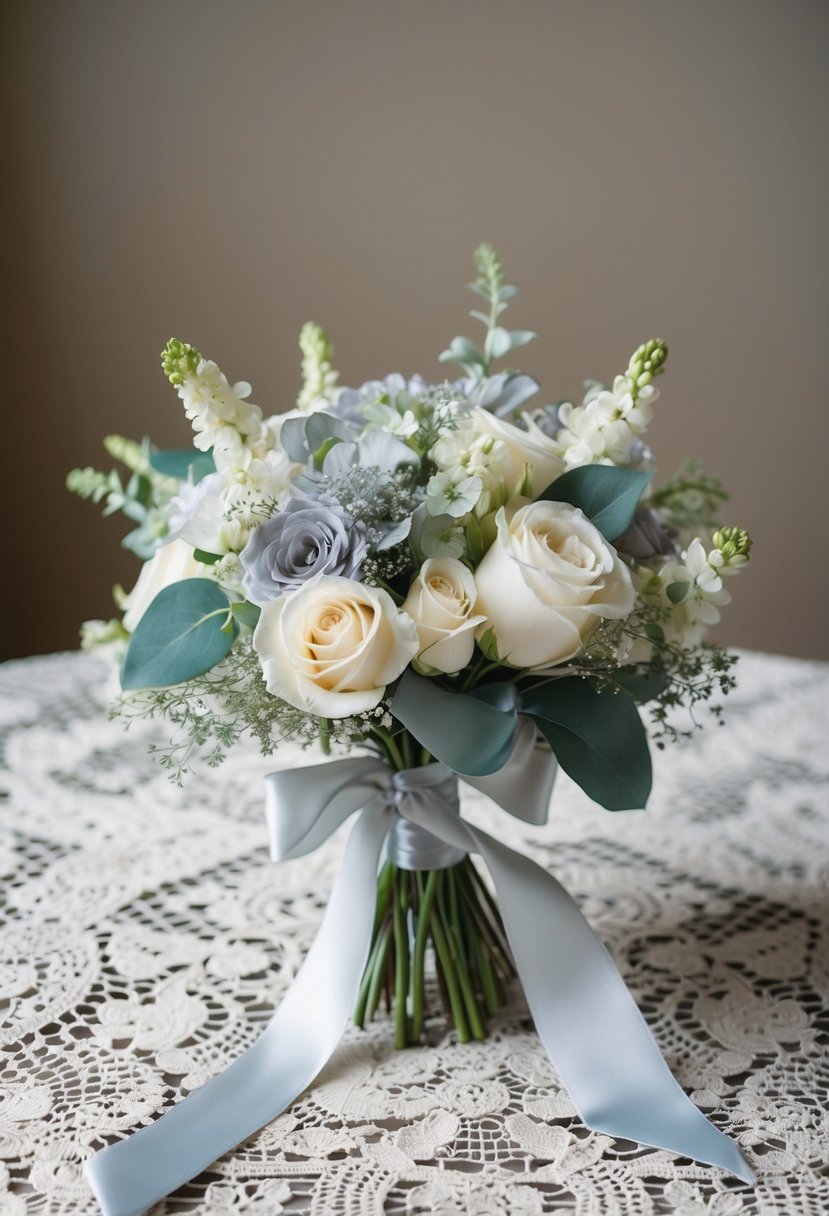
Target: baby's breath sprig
214, 711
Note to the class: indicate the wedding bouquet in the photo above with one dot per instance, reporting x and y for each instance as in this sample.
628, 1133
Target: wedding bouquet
447, 578
309, 572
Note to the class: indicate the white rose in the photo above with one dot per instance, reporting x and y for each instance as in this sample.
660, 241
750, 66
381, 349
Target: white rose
530, 446
547, 581
333, 646
440, 602
170, 564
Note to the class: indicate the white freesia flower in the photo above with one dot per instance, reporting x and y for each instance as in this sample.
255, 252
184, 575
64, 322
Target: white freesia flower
170, 564
546, 582
333, 646
441, 603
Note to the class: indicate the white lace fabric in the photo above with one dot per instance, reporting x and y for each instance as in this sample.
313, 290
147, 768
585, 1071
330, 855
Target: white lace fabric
145, 939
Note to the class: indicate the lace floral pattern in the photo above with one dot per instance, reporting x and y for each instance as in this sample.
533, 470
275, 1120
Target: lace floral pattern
146, 939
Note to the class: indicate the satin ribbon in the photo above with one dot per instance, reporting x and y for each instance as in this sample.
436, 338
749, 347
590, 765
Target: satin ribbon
582, 1010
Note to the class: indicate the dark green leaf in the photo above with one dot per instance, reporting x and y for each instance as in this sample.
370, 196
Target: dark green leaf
597, 737
179, 636
206, 559
182, 463
642, 683
608, 495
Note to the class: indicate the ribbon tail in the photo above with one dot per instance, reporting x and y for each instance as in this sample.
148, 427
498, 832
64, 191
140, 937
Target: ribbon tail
129, 1177
588, 1021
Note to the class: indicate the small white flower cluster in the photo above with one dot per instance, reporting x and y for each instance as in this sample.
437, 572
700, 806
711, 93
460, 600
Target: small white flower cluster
604, 429
472, 470
693, 586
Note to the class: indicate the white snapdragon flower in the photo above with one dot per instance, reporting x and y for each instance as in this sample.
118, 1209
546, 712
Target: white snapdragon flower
221, 416
605, 427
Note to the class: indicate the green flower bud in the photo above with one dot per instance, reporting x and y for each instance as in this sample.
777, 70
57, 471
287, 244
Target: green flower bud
647, 361
734, 544
179, 360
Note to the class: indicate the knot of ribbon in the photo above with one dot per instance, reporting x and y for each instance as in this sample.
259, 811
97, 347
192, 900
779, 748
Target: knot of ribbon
584, 1014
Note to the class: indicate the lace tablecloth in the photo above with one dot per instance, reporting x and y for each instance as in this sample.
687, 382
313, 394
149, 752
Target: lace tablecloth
146, 938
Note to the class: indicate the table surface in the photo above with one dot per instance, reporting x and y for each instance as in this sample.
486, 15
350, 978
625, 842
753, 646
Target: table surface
146, 939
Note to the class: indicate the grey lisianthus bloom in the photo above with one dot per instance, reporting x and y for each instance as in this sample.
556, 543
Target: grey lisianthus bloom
308, 536
646, 537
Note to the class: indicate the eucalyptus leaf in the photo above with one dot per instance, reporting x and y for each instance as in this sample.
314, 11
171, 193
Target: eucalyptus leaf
598, 739
183, 463
676, 592
503, 341
463, 351
608, 495
246, 614
180, 636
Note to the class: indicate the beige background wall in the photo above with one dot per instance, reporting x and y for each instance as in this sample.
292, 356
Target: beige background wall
224, 170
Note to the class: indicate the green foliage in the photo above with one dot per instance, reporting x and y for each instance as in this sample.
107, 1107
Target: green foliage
142, 499
597, 737
691, 499
491, 285
181, 635
608, 495
213, 711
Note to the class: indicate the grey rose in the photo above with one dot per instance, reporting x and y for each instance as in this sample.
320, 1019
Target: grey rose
646, 537
308, 536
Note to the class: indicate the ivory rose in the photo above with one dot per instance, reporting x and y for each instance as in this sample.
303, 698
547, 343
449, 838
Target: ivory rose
332, 646
441, 602
546, 582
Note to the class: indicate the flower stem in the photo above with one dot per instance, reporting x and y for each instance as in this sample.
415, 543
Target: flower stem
400, 896
427, 894
450, 977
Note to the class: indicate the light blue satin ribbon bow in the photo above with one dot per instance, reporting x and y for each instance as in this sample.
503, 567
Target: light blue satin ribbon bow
582, 1010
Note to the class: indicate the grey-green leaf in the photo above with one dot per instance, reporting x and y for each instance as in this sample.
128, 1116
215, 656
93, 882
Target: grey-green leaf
180, 636
463, 351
